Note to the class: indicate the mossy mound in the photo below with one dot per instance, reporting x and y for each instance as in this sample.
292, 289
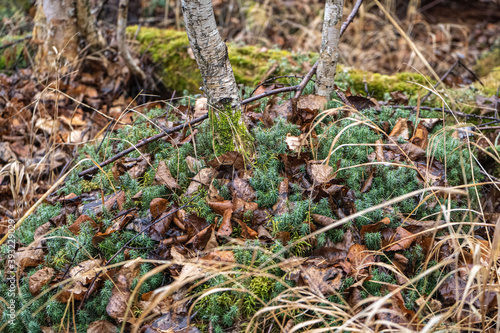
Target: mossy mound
11, 56
228, 307
169, 50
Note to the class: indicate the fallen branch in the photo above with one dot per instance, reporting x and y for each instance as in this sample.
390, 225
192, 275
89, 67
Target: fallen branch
268, 93
457, 113
142, 143
4, 46
441, 80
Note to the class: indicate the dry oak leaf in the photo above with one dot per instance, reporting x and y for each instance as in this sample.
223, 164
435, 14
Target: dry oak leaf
101, 326
323, 220
40, 279
281, 205
231, 158
82, 274
140, 168
200, 106
212, 242
193, 164
157, 207
321, 277
401, 240
242, 189
284, 110
420, 137
294, 142
213, 194
42, 230
360, 257
379, 151
117, 305
401, 129
164, 177
75, 227
431, 305
225, 228
204, 177
28, 256
246, 231
224, 256
220, 207
320, 173
311, 102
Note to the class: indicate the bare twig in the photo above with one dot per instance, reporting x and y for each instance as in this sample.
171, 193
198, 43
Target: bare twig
268, 93
274, 79
15, 42
471, 72
441, 79
349, 18
142, 143
306, 80
122, 41
300, 87
458, 113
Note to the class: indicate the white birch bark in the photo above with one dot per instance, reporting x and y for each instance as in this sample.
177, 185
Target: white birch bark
329, 54
210, 52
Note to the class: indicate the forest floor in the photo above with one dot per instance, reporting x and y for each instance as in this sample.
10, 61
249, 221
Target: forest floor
376, 209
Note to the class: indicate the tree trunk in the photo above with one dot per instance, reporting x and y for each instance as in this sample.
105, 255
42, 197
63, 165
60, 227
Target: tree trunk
121, 39
59, 27
220, 86
329, 54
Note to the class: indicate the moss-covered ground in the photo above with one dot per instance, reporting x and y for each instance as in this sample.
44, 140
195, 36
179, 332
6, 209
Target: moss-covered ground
348, 141
350, 162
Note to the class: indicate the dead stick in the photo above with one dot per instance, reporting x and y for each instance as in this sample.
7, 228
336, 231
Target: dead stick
441, 80
458, 113
306, 80
268, 93
142, 143
15, 42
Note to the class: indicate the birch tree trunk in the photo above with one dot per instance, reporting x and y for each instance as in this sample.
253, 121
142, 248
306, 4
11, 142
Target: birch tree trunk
329, 54
59, 27
220, 86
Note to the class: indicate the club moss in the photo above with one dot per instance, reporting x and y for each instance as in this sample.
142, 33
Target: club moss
224, 309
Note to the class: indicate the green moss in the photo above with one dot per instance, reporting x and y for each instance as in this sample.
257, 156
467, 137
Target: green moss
378, 279
230, 131
488, 62
169, 50
373, 240
222, 309
379, 86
